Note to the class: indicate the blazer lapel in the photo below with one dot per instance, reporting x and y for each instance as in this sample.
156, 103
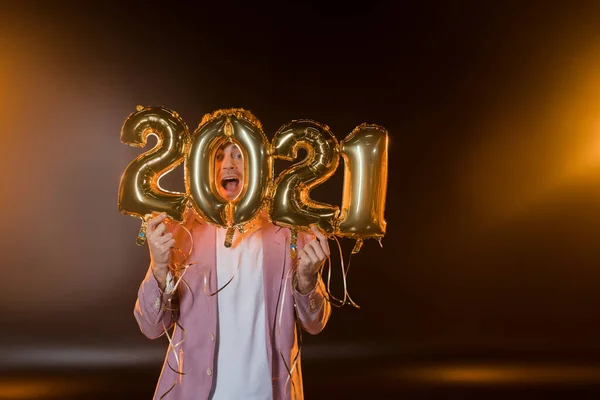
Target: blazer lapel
275, 241
202, 274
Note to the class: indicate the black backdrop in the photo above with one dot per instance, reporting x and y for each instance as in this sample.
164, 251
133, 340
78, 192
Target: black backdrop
493, 204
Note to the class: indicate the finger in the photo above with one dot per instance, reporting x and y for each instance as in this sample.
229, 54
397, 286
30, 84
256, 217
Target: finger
164, 238
323, 240
319, 235
303, 260
310, 253
165, 248
325, 246
168, 244
318, 250
152, 232
159, 231
155, 221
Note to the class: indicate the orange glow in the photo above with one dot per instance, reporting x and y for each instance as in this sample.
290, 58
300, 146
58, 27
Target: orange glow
33, 389
503, 374
531, 150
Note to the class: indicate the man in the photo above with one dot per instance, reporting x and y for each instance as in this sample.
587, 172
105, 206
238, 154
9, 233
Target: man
241, 342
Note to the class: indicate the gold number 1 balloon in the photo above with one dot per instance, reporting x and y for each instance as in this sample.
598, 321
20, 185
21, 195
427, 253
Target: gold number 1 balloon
365, 183
139, 192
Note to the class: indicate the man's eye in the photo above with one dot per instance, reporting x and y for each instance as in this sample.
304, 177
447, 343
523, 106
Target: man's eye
237, 156
219, 157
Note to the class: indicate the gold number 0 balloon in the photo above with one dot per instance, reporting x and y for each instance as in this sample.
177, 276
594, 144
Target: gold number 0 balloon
240, 127
139, 191
291, 205
365, 183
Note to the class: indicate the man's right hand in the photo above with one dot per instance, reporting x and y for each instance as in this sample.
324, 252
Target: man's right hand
160, 244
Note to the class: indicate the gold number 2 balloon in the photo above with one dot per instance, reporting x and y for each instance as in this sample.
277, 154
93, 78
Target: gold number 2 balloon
139, 192
365, 183
237, 126
291, 205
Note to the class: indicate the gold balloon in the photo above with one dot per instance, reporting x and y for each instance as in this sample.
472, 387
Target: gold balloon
242, 128
365, 153
139, 192
291, 205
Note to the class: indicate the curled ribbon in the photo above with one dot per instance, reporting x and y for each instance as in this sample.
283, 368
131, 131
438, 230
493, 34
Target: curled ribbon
334, 301
177, 273
282, 294
329, 297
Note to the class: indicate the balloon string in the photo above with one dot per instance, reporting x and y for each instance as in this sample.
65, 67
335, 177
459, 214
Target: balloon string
334, 301
177, 275
282, 295
173, 347
346, 293
171, 388
179, 268
232, 277
330, 296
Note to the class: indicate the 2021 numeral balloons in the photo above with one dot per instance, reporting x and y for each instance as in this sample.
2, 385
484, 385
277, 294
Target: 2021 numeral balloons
286, 197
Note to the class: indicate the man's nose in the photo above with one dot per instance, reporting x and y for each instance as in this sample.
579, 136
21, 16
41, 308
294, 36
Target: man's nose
228, 163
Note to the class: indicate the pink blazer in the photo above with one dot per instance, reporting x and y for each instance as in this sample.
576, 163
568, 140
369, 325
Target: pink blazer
198, 314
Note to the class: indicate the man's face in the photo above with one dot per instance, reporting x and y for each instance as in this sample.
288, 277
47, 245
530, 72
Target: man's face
229, 167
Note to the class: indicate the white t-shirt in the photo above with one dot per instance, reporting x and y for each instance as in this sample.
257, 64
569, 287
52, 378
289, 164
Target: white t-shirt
242, 366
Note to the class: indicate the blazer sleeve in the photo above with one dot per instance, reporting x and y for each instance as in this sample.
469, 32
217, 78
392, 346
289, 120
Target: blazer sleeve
313, 309
153, 308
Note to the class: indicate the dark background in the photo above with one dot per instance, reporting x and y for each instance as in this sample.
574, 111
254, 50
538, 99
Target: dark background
487, 282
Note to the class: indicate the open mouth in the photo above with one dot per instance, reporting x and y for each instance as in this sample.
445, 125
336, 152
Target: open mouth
230, 183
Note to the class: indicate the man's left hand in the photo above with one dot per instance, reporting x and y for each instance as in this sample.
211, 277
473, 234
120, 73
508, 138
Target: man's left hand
311, 259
